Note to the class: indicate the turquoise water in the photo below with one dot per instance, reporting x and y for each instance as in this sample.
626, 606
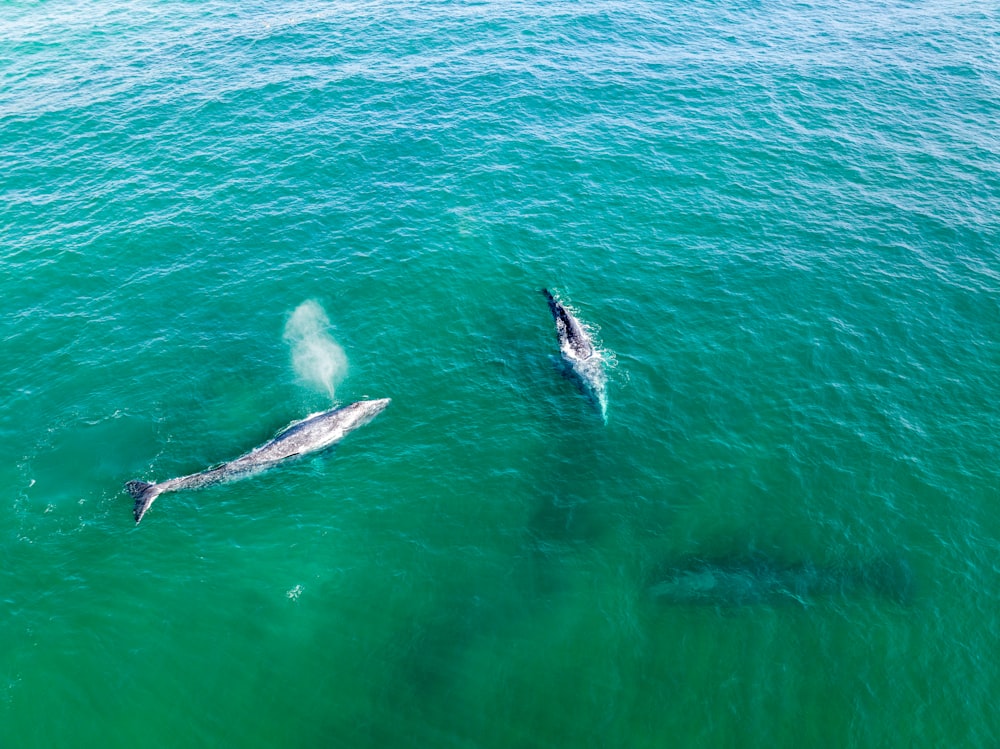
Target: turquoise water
779, 219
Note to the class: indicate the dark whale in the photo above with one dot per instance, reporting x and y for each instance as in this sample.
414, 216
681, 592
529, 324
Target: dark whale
582, 358
310, 435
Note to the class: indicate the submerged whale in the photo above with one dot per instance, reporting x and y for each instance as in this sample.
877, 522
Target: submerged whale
310, 435
579, 353
759, 579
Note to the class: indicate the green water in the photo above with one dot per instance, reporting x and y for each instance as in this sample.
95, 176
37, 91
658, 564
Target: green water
779, 219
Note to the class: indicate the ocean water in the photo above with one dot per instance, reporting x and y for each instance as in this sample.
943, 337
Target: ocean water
781, 221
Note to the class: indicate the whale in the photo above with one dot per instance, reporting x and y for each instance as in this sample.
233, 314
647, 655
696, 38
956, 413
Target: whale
582, 359
301, 438
758, 579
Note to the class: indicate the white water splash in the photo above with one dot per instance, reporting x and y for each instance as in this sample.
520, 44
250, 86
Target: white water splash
318, 359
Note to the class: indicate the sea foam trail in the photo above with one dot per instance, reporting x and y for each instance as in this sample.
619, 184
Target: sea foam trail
318, 359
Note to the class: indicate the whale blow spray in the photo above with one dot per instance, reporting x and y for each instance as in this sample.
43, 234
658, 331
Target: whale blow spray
318, 359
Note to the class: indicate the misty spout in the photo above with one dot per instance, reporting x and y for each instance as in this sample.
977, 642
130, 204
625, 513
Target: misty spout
317, 358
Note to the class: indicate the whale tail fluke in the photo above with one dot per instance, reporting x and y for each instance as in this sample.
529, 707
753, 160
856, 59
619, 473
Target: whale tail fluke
144, 493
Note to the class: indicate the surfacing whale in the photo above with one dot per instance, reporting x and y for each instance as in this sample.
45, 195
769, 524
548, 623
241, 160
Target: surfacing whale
579, 353
307, 436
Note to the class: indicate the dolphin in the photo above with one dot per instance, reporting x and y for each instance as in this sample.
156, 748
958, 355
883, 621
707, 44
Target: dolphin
758, 579
301, 438
579, 353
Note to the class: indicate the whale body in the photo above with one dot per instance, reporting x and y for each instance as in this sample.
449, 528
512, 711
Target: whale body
580, 355
310, 435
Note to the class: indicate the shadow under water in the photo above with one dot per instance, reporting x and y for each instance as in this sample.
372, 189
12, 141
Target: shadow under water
755, 578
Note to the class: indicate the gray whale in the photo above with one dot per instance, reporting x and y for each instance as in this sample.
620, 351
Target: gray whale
579, 353
307, 436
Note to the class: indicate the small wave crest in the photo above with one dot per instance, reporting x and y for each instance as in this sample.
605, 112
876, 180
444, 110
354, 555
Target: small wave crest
317, 358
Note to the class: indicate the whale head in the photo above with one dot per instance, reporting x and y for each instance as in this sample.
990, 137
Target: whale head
361, 412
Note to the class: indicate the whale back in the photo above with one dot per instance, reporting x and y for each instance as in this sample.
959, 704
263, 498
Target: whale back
574, 340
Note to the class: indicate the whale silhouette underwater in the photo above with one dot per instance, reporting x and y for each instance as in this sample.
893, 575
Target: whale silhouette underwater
759, 579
